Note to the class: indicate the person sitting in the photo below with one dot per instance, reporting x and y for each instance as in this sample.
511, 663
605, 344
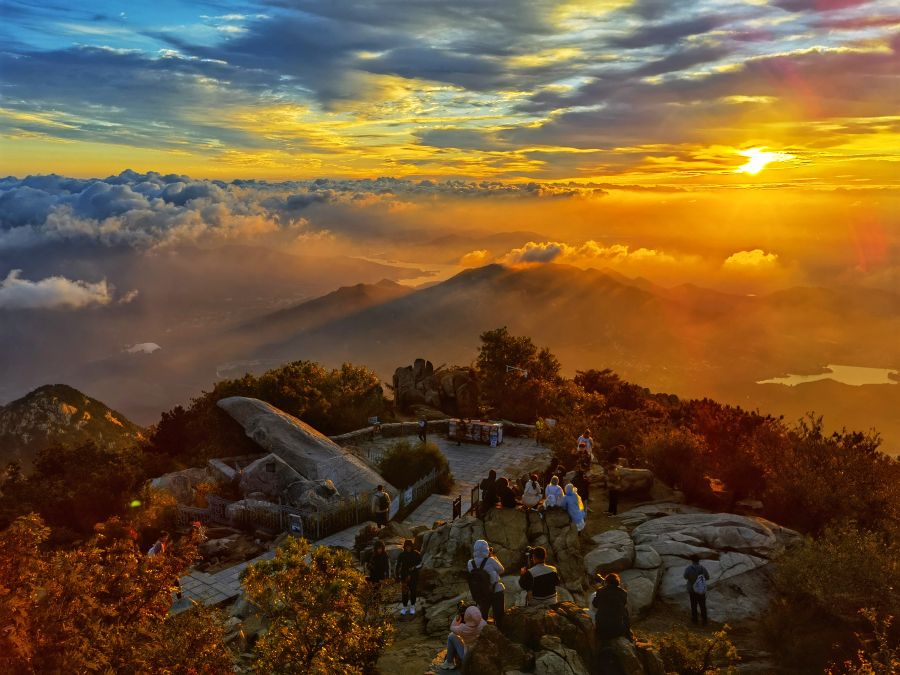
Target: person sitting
506, 495
464, 632
551, 470
488, 491
379, 564
531, 496
610, 605
573, 505
553, 494
583, 485
541, 580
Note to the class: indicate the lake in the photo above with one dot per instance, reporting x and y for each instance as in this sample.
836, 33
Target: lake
854, 375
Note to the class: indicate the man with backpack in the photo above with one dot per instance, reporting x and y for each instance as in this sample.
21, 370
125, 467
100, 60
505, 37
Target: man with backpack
697, 576
484, 582
422, 432
381, 506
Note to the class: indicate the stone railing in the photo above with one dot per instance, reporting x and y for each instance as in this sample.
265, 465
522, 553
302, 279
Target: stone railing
393, 430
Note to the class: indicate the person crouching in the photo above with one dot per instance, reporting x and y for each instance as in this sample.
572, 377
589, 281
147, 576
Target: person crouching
464, 632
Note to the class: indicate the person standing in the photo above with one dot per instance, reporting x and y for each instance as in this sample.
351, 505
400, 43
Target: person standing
494, 599
409, 562
610, 606
381, 506
460, 432
488, 491
379, 564
553, 494
583, 485
422, 429
586, 439
541, 580
613, 483
464, 632
531, 495
696, 588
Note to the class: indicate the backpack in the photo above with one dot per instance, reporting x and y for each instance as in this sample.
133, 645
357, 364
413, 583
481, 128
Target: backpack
700, 586
384, 502
479, 579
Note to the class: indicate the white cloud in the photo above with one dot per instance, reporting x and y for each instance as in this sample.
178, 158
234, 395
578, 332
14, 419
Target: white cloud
559, 252
475, 258
750, 260
51, 293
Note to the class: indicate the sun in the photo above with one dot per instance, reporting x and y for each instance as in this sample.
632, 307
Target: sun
758, 158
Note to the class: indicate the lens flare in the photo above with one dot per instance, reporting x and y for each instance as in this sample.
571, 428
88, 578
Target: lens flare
758, 158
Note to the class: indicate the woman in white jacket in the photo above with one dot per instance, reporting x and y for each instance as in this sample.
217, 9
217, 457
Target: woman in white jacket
531, 496
553, 495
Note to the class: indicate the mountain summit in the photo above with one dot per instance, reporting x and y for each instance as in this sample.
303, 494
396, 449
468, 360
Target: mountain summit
58, 412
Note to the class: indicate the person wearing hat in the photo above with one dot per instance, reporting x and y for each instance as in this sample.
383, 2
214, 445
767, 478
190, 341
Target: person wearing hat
379, 564
409, 562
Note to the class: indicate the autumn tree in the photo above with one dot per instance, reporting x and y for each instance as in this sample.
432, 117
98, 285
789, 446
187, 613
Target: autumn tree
324, 618
99, 607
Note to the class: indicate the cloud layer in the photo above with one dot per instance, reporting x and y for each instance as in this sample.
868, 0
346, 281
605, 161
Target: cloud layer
51, 293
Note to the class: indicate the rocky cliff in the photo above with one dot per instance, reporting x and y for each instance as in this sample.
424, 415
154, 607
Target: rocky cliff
58, 412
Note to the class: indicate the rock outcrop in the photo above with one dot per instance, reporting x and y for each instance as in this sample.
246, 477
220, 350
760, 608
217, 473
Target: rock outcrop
182, 484
632, 481
495, 654
452, 392
313, 456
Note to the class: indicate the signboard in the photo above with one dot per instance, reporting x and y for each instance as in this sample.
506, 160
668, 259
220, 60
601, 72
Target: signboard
296, 525
493, 441
373, 420
395, 508
408, 496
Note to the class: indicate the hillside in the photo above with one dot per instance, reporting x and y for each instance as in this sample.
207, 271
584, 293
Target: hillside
57, 412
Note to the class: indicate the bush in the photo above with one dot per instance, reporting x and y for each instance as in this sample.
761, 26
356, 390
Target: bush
877, 657
687, 653
676, 456
333, 622
406, 463
101, 606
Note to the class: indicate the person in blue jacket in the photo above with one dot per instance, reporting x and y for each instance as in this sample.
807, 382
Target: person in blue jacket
698, 599
574, 507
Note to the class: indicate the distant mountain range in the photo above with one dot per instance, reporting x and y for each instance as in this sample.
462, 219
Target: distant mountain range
57, 412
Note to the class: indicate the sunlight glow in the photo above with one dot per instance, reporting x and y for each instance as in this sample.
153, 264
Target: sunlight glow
758, 158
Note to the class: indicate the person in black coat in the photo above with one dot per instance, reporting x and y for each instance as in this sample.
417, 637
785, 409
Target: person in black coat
505, 494
379, 564
611, 605
409, 562
583, 485
489, 492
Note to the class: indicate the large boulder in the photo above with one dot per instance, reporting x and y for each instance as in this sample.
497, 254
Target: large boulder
495, 654
563, 538
635, 480
505, 530
182, 484
467, 399
566, 621
614, 553
439, 615
269, 475
736, 551
304, 449
557, 659
451, 544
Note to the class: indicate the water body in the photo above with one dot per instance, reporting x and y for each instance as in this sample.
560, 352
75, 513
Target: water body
854, 375
436, 271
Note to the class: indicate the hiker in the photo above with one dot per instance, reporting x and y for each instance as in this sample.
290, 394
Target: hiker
381, 506
162, 543
531, 495
379, 564
553, 494
422, 425
460, 433
540, 581
506, 495
487, 591
574, 507
582, 485
610, 605
409, 562
582, 458
697, 576
488, 491
464, 632
613, 483
586, 440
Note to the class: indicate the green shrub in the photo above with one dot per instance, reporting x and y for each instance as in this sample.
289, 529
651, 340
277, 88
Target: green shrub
877, 657
676, 456
405, 463
687, 653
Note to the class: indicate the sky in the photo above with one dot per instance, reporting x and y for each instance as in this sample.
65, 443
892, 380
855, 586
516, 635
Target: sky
751, 144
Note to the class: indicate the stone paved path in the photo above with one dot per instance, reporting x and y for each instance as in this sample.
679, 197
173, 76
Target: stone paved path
469, 463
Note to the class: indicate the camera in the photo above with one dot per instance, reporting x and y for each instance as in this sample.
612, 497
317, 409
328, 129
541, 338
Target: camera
528, 561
